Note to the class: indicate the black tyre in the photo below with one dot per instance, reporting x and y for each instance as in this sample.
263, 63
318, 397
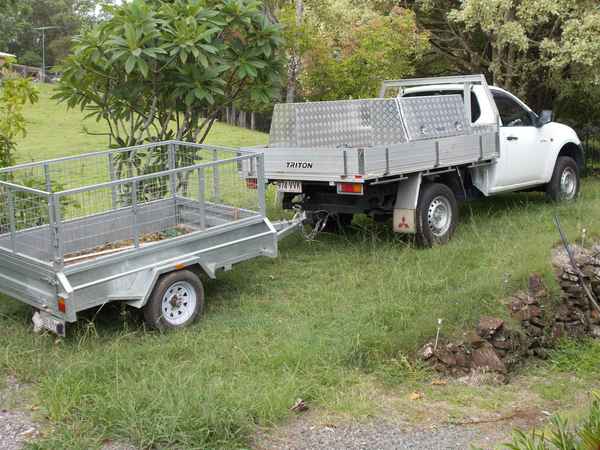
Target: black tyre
565, 182
176, 302
338, 223
437, 214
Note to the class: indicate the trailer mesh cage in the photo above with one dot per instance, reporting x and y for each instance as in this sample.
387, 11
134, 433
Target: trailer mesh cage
60, 211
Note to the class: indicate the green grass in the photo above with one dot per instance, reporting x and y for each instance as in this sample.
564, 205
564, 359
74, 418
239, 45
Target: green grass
320, 322
52, 132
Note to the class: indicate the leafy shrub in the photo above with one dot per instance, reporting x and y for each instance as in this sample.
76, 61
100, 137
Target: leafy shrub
584, 435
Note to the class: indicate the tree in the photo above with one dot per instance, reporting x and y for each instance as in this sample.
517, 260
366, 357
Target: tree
15, 93
348, 49
544, 50
159, 70
20, 18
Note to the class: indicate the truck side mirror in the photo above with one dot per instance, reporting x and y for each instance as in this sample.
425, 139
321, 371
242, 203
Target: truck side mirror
546, 116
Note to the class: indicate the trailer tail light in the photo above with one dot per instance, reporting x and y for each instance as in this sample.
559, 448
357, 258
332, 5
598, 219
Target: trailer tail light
350, 188
62, 306
252, 183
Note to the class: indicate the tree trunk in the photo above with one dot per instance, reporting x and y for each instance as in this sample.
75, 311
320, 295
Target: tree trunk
253, 120
242, 119
233, 116
294, 64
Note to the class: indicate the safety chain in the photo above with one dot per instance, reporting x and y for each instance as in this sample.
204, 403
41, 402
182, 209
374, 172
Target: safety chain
320, 224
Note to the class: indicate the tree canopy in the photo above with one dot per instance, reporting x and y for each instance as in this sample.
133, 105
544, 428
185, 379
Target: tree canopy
19, 19
348, 47
161, 70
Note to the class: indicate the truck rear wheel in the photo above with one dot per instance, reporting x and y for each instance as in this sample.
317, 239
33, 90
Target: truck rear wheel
564, 184
176, 301
437, 215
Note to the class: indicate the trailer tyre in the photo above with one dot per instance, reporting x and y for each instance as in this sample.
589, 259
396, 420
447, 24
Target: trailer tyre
437, 215
176, 301
564, 184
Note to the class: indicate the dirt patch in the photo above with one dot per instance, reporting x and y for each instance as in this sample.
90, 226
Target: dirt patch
117, 246
16, 424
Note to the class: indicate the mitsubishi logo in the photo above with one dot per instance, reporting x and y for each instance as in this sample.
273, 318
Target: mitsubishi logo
403, 223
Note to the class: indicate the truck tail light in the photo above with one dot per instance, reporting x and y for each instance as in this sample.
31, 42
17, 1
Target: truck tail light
350, 188
62, 306
252, 183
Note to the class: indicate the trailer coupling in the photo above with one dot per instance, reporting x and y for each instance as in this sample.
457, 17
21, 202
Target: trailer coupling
286, 227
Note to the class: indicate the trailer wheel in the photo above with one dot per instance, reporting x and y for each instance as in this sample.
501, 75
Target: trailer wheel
176, 301
564, 184
437, 215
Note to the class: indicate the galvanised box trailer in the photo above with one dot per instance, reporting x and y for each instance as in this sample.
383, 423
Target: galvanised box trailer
136, 225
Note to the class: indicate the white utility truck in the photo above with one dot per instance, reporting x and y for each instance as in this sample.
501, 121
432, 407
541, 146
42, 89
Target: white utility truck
415, 152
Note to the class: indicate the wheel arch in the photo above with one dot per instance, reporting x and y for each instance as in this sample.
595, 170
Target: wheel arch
197, 267
574, 151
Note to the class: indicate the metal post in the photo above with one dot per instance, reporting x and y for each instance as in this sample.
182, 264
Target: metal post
201, 198
12, 219
173, 180
43, 55
467, 99
216, 190
134, 210
111, 172
47, 178
56, 224
261, 184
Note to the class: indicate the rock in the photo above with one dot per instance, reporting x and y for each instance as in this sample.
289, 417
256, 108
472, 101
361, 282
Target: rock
427, 351
595, 331
445, 356
538, 322
485, 357
488, 326
536, 286
299, 406
473, 339
558, 331
502, 344
462, 358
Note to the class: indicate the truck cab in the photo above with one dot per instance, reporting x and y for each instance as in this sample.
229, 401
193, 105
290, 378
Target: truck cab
529, 143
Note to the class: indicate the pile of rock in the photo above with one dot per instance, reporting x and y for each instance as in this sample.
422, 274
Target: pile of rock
494, 346
576, 315
497, 348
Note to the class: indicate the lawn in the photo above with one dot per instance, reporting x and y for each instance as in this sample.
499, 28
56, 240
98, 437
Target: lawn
327, 321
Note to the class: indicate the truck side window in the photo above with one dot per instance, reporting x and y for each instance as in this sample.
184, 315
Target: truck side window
511, 113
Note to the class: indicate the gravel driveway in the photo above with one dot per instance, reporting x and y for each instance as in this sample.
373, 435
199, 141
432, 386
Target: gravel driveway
16, 426
382, 434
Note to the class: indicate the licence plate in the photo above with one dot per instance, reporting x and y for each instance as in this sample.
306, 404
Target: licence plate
290, 186
43, 320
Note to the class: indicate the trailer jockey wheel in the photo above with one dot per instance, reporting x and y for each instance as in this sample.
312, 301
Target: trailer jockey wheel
437, 214
176, 301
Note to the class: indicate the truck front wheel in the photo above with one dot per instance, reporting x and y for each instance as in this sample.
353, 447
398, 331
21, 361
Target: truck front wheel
564, 184
437, 215
176, 301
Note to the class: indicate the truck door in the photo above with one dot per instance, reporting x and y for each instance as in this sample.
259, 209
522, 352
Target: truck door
521, 145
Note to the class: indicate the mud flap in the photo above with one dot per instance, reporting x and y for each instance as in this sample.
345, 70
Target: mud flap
404, 221
405, 209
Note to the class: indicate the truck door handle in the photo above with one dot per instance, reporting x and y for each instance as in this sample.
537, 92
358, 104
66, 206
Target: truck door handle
512, 138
